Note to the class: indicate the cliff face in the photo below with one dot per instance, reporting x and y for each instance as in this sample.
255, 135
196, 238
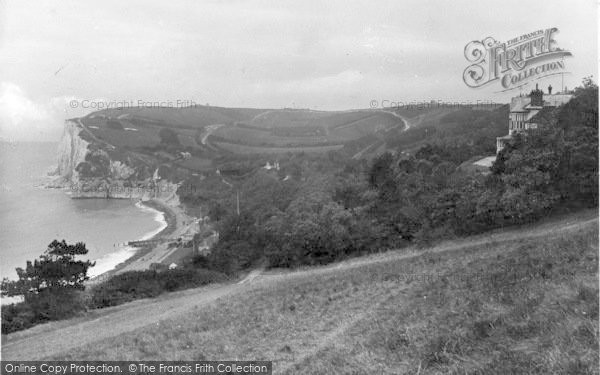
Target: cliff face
92, 170
72, 150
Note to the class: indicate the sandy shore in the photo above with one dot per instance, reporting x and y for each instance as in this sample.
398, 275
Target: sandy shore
179, 224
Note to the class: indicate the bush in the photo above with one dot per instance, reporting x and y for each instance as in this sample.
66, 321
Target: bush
168, 136
46, 307
51, 286
134, 285
16, 317
201, 261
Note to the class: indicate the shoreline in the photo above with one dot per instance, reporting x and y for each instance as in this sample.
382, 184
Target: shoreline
167, 219
170, 220
175, 223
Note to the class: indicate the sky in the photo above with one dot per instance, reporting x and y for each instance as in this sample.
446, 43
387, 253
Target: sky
62, 59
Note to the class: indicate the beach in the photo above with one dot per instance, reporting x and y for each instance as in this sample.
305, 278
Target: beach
176, 224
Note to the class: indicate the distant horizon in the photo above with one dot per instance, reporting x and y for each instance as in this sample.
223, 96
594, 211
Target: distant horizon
444, 103
273, 108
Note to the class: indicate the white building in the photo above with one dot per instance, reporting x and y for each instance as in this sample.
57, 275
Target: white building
524, 108
270, 166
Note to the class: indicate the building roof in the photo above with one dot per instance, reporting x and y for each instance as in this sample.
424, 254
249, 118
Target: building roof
546, 115
518, 104
523, 103
556, 100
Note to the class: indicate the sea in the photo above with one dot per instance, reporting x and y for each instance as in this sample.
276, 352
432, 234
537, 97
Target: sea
32, 216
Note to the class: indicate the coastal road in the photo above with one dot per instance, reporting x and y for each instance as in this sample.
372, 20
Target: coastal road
51, 339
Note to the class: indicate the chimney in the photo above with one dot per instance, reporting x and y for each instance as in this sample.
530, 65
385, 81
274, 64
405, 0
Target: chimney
537, 97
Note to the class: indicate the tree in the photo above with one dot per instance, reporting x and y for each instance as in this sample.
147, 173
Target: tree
381, 170
556, 164
50, 283
168, 136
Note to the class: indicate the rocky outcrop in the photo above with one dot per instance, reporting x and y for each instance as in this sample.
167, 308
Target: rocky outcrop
89, 169
120, 170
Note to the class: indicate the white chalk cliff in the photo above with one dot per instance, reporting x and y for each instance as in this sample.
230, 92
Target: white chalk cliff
72, 150
88, 171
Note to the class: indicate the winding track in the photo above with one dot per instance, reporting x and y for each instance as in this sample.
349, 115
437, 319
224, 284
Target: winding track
407, 125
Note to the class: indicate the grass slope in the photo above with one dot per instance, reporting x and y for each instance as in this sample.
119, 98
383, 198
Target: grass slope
210, 132
507, 302
275, 131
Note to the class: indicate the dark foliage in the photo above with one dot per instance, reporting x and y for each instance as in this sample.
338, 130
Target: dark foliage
134, 285
341, 208
168, 137
51, 287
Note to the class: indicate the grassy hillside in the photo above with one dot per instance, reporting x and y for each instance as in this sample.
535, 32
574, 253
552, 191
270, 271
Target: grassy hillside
511, 301
209, 132
192, 117
237, 148
199, 128
278, 131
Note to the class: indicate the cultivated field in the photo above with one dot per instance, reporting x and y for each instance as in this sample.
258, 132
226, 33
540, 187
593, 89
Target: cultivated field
244, 149
191, 117
210, 130
293, 128
516, 301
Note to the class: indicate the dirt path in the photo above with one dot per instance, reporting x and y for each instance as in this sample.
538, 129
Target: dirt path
49, 339
331, 338
56, 337
209, 130
405, 122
